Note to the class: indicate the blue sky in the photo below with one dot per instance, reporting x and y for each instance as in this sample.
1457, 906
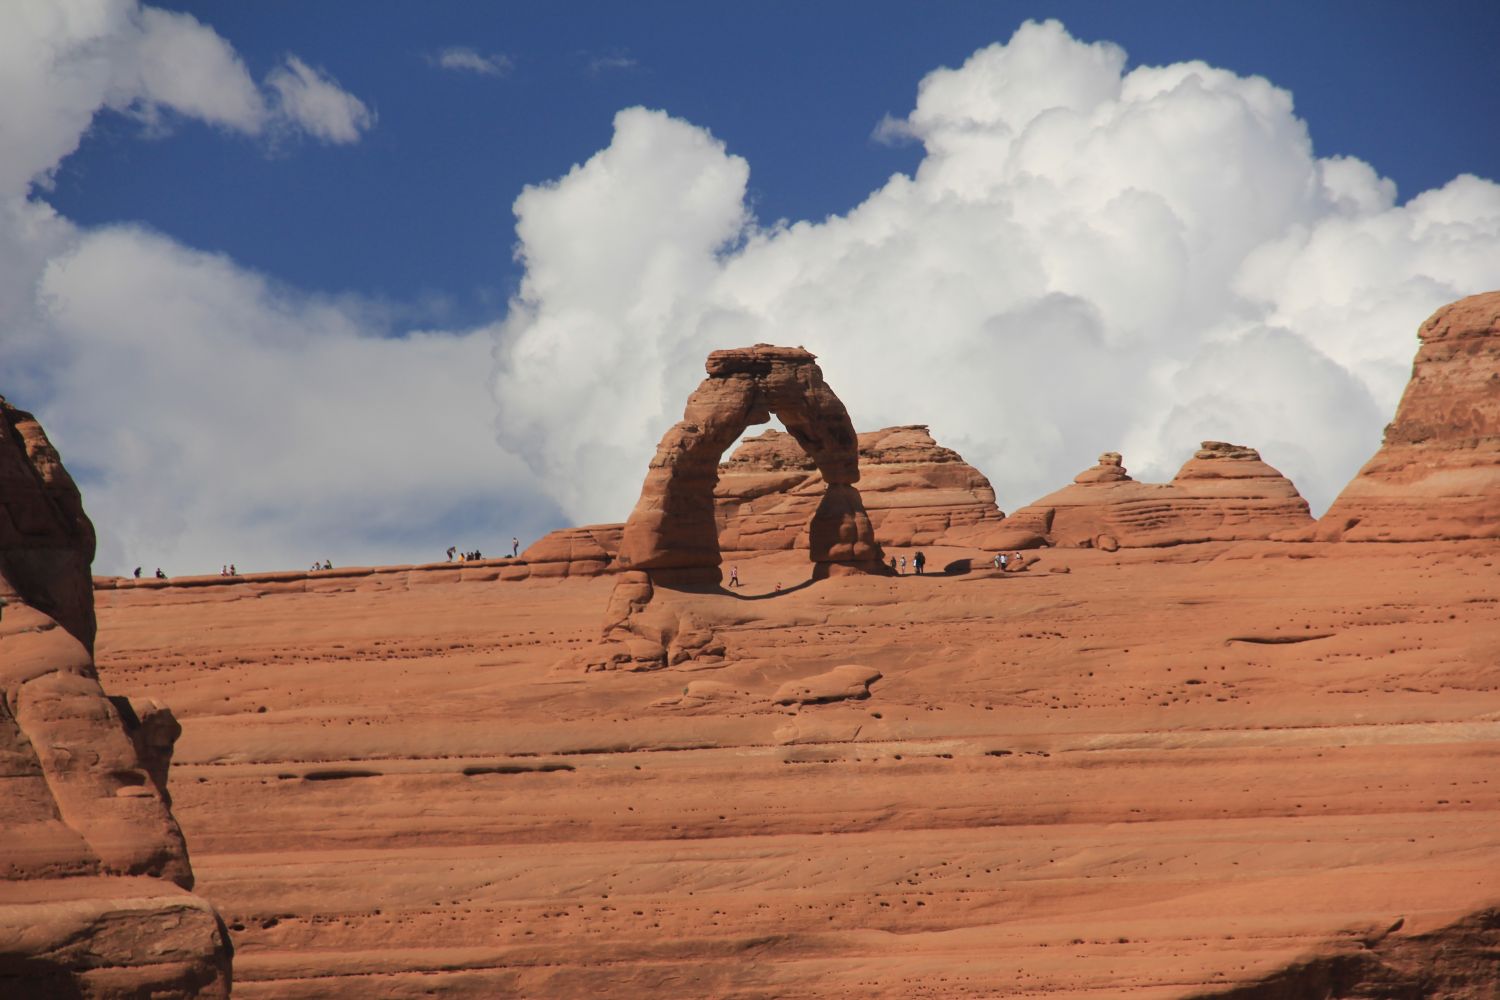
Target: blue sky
419, 212
290, 281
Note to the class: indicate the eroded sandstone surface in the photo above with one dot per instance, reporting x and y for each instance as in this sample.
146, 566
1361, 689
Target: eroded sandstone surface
94, 872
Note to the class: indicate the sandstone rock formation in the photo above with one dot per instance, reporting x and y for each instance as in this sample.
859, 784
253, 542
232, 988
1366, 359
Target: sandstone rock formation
93, 867
672, 530
847, 681
1437, 474
672, 536
1223, 493
584, 551
46, 540
914, 490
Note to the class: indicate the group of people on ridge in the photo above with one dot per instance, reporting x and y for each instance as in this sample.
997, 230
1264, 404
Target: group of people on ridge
515, 550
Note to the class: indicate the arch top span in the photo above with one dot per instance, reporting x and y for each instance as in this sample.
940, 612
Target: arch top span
672, 531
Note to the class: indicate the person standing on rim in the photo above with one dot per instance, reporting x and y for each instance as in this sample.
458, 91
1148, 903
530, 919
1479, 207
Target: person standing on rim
515, 547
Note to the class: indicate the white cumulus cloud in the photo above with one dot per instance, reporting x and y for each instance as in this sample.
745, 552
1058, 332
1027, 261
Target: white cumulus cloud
312, 101
214, 417
209, 415
1087, 258
465, 60
61, 61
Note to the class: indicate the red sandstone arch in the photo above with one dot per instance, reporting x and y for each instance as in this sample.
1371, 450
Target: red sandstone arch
672, 532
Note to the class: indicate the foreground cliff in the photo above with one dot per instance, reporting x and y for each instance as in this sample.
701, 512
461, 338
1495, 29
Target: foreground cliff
94, 871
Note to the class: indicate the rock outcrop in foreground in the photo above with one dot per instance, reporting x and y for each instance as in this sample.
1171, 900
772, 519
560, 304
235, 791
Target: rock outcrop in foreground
94, 871
914, 489
1437, 474
1223, 493
672, 536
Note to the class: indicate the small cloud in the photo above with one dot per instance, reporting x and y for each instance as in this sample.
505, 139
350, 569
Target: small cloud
462, 59
316, 103
611, 63
893, 131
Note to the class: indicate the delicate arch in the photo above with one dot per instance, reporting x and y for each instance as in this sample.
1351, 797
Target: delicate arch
672, 532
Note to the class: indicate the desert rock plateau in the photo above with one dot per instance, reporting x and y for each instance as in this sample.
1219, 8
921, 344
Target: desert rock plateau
1188, 742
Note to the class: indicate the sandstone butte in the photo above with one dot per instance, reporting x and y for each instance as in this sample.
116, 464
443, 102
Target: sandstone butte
1225, 752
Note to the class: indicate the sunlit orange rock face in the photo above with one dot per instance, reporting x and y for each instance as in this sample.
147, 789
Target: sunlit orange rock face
1246, 763
93, 868
1437, 476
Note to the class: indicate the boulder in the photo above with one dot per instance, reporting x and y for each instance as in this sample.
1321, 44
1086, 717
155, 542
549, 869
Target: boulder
1437, 473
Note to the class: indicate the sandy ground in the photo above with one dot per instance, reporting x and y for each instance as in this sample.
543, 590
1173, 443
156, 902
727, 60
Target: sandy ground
1157, 774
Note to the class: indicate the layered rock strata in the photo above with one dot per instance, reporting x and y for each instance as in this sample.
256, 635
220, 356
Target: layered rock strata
1225, 492
1437, 473
914, 490
672, 536
93, 867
